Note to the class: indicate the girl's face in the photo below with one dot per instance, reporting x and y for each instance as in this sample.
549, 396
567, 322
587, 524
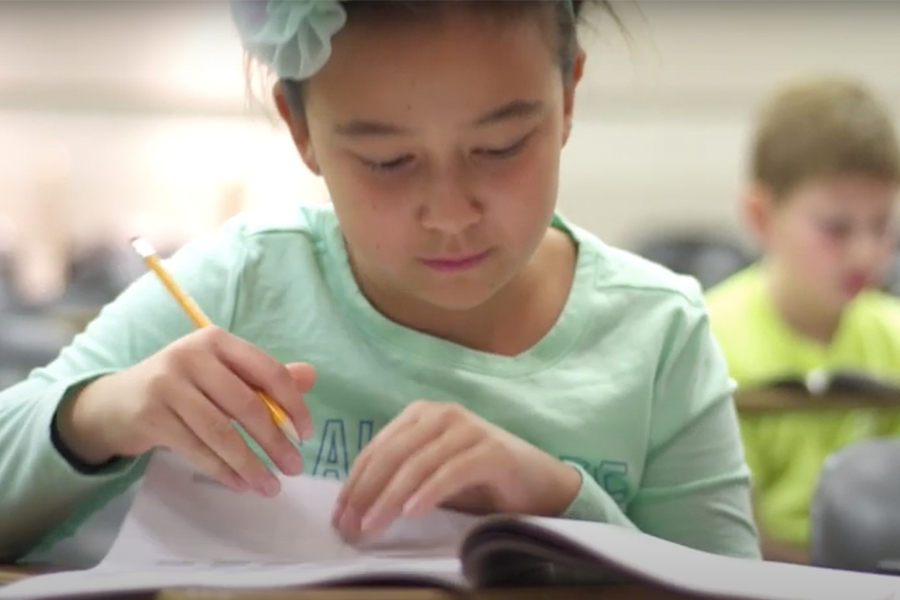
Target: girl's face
439, 140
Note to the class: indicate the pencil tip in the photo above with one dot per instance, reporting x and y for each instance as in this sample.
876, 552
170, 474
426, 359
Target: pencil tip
290, 431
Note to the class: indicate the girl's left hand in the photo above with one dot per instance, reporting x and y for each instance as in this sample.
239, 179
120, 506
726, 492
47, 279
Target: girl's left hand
440, 454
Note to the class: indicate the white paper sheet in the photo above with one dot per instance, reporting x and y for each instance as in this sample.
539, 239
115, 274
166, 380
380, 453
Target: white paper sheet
180, 516
184, 529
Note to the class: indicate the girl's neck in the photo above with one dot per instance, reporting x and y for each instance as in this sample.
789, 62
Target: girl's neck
802, 312
510, 322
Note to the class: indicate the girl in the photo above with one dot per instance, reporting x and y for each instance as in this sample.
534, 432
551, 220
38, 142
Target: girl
439, 335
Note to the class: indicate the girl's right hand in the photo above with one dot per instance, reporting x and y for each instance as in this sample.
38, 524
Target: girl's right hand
184, 398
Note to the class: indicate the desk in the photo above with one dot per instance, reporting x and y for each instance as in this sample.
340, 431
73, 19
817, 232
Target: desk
788, 400
624, 592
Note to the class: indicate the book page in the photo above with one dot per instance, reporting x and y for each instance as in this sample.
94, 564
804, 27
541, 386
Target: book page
186, 529
660, 562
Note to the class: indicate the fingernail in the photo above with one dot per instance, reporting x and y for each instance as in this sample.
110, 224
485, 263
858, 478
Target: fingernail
293, 464
270, 487
349, 522
337, 512
370, 521
307, 430
412, 507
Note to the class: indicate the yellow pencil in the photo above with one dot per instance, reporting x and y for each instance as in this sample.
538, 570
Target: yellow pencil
146, 251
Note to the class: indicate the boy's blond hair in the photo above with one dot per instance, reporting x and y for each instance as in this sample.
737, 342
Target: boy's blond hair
819, 128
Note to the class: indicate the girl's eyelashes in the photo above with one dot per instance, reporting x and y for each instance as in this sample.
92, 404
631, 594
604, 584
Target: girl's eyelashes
507, 152
388, 165
395, 164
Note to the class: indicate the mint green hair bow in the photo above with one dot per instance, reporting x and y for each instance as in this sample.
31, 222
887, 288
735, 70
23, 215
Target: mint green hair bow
291, 37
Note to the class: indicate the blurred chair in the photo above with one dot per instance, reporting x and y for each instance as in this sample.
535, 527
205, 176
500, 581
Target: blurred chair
97, 275
8, 296
855, 513
707, 257
27, 339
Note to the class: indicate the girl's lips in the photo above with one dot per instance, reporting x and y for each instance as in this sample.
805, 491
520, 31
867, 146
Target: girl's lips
455, 263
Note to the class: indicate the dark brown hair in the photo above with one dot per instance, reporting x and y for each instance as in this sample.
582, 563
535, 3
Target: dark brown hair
567, 16
822, 127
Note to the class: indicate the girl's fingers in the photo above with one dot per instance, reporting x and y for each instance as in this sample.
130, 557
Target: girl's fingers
370, 478
451, 452
263, 373
215, 430
237, 401
469, 467
393, 430
183, 441
303, 374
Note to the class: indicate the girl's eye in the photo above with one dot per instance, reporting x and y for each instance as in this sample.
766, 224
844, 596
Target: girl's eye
389, 165
507, 152
401, 161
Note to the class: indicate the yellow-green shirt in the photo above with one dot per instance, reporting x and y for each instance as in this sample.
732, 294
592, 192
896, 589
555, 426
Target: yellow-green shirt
785, 452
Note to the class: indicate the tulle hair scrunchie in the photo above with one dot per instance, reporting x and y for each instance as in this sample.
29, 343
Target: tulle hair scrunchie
290, 37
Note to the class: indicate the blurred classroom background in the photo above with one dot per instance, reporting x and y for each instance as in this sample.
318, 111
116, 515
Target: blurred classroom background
130, 117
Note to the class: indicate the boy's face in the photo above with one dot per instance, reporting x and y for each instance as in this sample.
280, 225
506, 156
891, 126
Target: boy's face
440, 142
833, 237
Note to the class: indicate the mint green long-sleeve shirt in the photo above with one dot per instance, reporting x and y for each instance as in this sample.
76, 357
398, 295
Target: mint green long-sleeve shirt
628, 386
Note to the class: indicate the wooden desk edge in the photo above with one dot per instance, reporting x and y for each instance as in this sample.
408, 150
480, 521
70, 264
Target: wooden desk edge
620, 592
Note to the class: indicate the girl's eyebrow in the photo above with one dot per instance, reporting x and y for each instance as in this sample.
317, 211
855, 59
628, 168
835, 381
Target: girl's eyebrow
365, 128
516, 109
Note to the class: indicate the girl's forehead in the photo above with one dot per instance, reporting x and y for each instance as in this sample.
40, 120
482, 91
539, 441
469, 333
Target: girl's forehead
449, 66
459, 39
459, 55
463, 24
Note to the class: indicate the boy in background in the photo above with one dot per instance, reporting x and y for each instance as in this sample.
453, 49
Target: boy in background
825, 170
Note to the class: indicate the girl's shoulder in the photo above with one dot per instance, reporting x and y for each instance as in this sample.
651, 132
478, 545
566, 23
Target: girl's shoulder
623, 278
310, 221
258, 240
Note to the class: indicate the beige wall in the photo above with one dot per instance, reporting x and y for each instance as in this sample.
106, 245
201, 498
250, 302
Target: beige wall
133, 111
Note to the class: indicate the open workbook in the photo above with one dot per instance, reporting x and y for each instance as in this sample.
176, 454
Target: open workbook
184, 530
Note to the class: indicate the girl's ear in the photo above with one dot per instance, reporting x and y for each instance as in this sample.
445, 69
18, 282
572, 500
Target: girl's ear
297, 125
569, 91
